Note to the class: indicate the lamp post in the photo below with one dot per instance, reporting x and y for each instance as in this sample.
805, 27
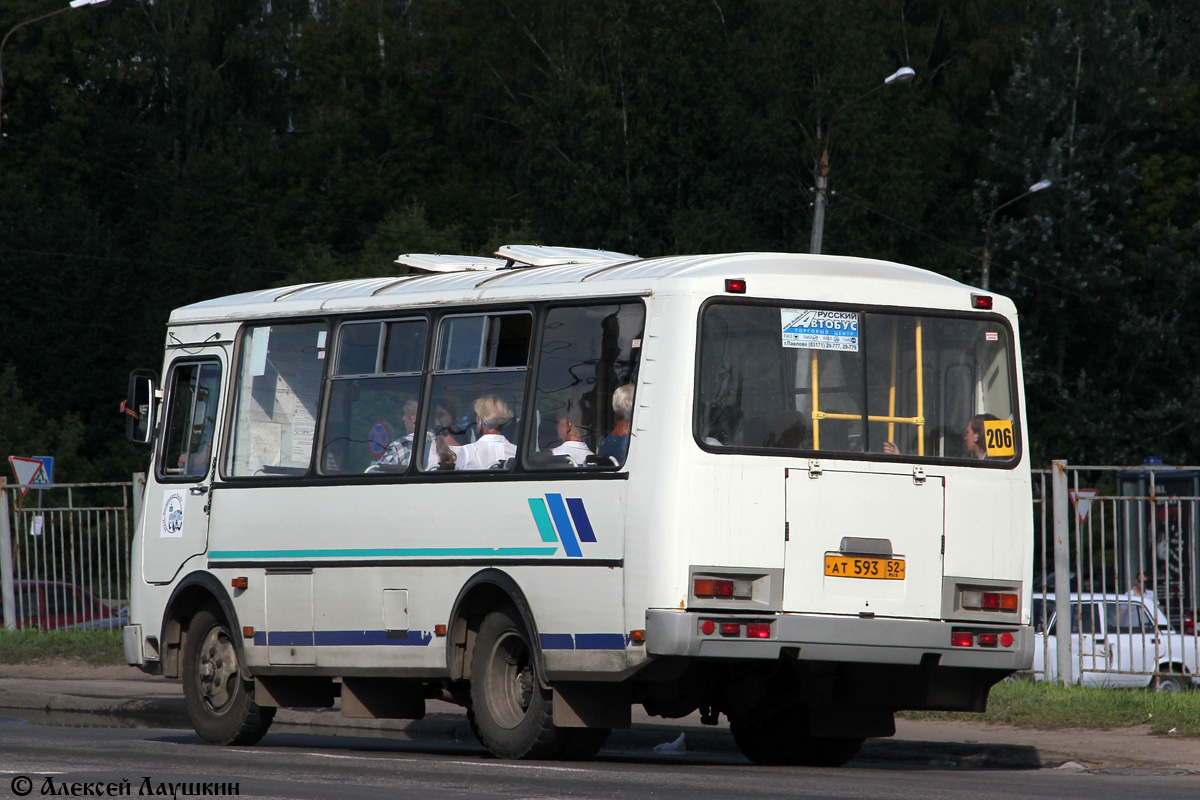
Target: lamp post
902, 75
987, 236
73, 5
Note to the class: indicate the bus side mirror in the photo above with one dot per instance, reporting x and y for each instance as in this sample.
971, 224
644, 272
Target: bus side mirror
139, 408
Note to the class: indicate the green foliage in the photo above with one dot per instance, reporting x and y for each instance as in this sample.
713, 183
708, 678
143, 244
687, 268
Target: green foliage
30, 646
157, 154
1047, 705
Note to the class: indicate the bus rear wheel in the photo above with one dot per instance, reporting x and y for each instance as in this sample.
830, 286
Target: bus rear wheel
219, 701
511, 713
782, 739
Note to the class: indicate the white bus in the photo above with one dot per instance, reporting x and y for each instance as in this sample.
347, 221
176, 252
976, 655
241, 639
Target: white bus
790, 489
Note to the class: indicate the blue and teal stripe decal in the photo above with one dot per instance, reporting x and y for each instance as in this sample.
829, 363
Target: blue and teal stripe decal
558, 520
554, 517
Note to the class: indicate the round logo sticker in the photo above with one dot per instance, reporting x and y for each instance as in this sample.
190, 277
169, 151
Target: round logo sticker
172, 516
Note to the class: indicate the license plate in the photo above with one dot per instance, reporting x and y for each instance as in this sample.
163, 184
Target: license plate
883, 569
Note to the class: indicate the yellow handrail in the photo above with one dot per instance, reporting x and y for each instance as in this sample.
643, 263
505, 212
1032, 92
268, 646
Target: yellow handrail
890, 418
892, 389
816, 404
920, 391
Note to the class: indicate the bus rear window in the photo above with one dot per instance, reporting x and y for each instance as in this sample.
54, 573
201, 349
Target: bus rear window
802, 378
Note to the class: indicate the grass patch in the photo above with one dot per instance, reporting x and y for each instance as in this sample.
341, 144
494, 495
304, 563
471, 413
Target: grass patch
1046, 705
96, 648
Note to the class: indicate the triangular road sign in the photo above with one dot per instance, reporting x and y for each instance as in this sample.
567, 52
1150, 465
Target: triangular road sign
1082, 498
27, 470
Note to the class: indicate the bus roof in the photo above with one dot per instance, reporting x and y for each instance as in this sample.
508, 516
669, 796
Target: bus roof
814, 278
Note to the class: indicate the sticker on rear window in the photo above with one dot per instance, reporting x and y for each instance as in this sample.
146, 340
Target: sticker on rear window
820, 330
998, 437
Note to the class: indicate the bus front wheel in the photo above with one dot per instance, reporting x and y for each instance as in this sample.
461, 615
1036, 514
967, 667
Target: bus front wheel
511, 713
219, 701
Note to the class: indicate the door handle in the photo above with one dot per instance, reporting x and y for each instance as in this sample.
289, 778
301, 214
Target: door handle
198, 490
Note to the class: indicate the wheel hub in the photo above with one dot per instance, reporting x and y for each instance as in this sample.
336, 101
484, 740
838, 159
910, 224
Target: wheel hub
218, 669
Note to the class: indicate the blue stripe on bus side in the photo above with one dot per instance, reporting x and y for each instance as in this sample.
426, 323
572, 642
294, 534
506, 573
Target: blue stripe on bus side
582, 641
562, 521
582, 523
557, 641
599, 641
342, 638
549, 641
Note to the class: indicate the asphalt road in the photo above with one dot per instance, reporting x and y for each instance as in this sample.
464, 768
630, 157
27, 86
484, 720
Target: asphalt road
145, 762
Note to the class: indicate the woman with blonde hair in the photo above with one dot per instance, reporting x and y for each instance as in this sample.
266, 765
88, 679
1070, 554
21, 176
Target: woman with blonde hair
492, 413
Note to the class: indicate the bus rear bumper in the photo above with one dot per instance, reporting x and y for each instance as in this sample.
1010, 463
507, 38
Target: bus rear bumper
840, 639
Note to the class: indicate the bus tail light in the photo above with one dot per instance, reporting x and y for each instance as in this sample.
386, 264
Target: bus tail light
981, 301
723, 588
758, 630
962, 638
988, 639
731, 629
990, 601
1006, 639
735, 285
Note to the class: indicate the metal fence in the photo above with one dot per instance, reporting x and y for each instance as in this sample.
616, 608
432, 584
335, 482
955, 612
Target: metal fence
1123, 540
64, 554
1102, 531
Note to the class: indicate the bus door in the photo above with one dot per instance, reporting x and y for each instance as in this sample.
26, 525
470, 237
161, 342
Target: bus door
175, 527
862, 542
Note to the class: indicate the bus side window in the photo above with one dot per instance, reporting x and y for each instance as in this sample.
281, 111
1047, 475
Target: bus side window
374, 398
587, 369
194, 390
478, 391
275, 399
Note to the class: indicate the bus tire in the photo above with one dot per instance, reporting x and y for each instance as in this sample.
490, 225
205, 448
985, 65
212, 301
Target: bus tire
580, 744
511, 713
834, 751
219, 701
782, 739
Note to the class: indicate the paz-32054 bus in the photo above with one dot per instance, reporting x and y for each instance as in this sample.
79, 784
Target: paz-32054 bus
793, 490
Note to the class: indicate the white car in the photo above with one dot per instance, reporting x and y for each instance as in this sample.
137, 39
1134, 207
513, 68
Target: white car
1116, 640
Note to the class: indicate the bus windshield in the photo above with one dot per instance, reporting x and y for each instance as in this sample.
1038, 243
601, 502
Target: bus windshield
856, 381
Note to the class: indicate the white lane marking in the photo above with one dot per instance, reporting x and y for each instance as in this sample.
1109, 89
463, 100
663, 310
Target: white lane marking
500, 764
30, 771
517, 766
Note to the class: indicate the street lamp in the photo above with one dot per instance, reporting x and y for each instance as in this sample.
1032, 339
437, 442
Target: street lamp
74, 5
987, 236
902, 75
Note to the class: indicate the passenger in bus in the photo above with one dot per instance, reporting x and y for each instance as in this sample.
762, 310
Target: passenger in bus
196, 465
616, 444
571, 434
399, 452
974, 437
445, 422
492, 413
